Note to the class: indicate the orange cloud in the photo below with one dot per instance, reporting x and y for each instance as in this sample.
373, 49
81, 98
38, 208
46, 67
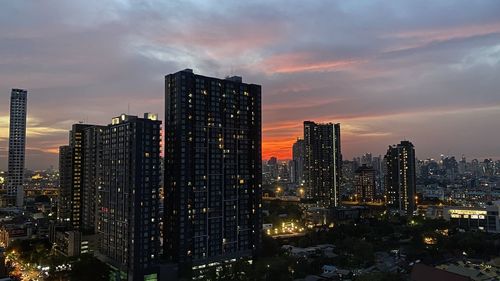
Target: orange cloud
278, 147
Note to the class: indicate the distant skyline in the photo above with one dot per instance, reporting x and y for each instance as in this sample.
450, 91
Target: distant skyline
426, 71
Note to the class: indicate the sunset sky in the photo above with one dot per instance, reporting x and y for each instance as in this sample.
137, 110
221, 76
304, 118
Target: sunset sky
426, 71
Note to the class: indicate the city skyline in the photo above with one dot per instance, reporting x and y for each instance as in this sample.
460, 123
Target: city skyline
422, 71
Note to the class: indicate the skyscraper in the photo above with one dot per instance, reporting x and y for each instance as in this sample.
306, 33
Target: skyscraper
400, 178
298, 161
65, 181
109, 185
17, 145
364, 183
212, 170
92, 178
71, 163
322, 163
128, 199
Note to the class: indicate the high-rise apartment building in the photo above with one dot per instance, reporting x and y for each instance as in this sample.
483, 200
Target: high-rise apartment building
128, 196
65, 183
400, 178
364, 184
17, 145
92, 177
71, 163
212, 170
298, 161
80, 176
322, 163
109, 185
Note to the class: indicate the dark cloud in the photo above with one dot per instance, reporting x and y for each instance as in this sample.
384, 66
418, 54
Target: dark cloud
385, 69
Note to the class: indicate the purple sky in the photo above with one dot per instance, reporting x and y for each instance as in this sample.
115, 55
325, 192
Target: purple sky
427, 71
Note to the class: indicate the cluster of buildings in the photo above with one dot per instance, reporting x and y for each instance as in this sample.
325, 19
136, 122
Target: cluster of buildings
320, 176
115, 201
199, 207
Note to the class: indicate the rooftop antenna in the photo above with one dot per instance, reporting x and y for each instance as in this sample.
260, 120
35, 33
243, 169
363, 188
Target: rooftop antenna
128, 108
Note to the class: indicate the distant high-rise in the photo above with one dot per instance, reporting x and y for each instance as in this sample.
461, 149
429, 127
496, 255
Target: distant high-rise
400, 178
322, 163
71, 163
364, 183
298, 161
213, 170
128, 196
65, 183
272, 165
17, 146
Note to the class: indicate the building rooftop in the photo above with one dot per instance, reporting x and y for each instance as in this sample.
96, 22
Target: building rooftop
422, 272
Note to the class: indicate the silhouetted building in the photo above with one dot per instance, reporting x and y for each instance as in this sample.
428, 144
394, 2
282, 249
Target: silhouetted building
272, 165
364, 184
128, 200
92, 176
298, 161
71, 163
17, 146
400, 179
213, 170
322, 163
65, 183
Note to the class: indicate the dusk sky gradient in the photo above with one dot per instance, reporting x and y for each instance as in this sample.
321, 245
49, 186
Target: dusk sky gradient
426, 71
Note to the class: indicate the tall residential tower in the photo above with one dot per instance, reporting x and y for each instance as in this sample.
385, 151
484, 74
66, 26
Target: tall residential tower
400, 179
322, 163
213, 170
110, 186
71, 163
298, 162
128, 196
364, 184
17, 145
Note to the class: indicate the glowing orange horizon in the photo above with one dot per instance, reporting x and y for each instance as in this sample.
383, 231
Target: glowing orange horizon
277, 147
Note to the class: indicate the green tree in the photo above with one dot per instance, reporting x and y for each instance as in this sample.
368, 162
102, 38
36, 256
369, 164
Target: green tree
87, 267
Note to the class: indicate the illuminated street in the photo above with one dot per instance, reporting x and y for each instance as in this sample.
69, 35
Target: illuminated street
26, 272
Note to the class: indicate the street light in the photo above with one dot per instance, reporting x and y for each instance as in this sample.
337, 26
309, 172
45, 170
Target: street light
301, 191
278, 190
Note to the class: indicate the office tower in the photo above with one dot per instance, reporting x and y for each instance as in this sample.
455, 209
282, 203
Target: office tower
17, 145
65, 176
213, 170
91, 176
322, 163
128, 200
364, 184
298, 161
400, 179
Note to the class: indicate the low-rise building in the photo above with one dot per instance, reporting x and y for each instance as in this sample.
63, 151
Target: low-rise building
485, 219
10, 232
